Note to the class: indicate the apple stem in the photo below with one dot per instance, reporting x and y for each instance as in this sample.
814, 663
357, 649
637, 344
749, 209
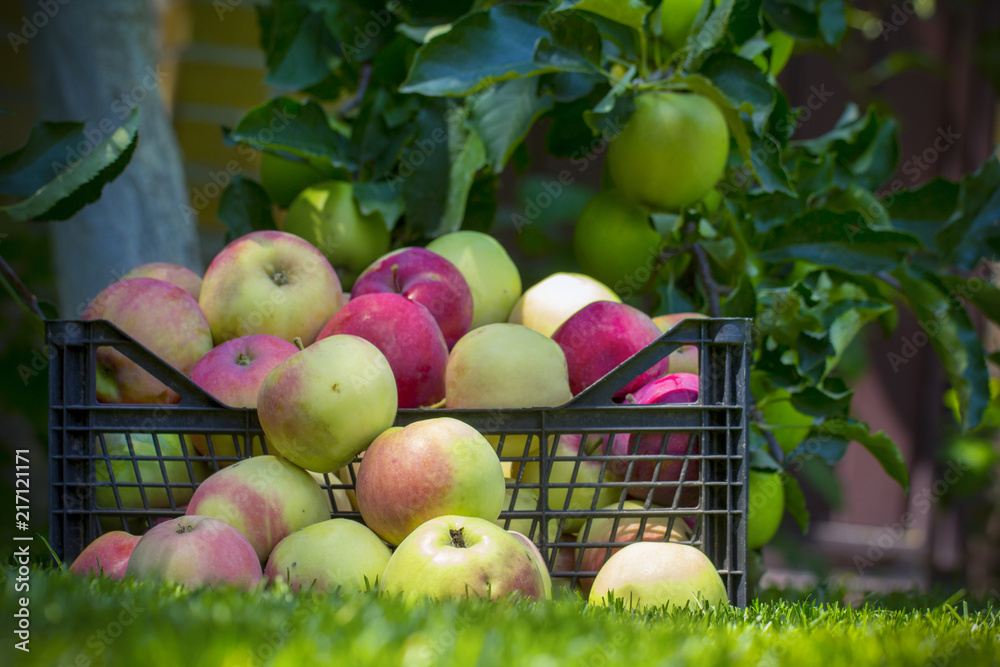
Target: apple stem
298, 343
457, 540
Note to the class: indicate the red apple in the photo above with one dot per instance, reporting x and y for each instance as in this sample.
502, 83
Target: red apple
599, 337
427, 278
183, 277
195, 551
409, 337
536, 556
107, 555
162, 317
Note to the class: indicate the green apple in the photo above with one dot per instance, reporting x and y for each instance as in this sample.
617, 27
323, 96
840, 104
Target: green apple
525, 501
491, 274
765, 507
284, 178
614, 242
676, 19
789, 426
303, 559
546, 305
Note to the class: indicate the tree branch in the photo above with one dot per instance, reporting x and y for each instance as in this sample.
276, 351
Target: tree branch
714, 289
364, 78
27, 299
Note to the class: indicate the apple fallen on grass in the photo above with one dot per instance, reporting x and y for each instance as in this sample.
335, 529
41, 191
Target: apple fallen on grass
546, 305
183, 277
107, 555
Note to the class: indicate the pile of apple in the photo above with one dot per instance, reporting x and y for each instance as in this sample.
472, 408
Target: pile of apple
269, 327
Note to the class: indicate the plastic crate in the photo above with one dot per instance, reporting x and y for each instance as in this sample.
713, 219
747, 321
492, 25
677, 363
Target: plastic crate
83, 434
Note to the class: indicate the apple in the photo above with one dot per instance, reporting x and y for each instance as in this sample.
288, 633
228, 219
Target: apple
525, 501
195, 551
233, 373
349, 475
331, 554
427, 469
624, 530
264, 497
493, 279
283, 176
673, 388
175, 274
327, 216
536, 556
599, 337
269, 282
676, 19
427, 278
457, 556
685, 358
546, 305
565, 562
765, 507
322, 406
409, 337
505, 365
160, 316
614, 242
337, 500
107, 555
579, 470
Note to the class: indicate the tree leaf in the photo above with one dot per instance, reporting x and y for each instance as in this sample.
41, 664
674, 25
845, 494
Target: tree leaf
708, 30
381, 198
879, 444
795, 502
744, 85
976, 218
425, 171
627, 12
300, 49
244, 207
832, 20
791, 18
503, 114
467, 154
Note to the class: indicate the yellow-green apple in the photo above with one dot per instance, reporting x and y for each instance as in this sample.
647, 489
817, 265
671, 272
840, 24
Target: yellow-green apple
269, 282
233, 372
409, 337
107, 555
614, 241
789, 426
458, 556
676, 19
624, 530
546, 305
349, 476
337, 499
685, 358
426, 278
265, 497
283, 177
327, 216
322, 406
576, 469
672, 151
162, 317
673, 388
525, 501
331, 554
493, 278
599, 337
648, 575
765, 507
183, 277
195, 551
505, 365
536, 556
427, 469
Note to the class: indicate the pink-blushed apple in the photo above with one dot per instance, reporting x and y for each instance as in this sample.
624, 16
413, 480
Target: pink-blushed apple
107, 555
265, 497
459, 556
565, 562
160, 316
624, 530
536, 556
575, 469
322, 406
195, 551
599, 337
685, 358
648, 575
331, 554
233, 372
673, 388
409, 337
183, 277
546, 305
269, 282
427, 278
427, 469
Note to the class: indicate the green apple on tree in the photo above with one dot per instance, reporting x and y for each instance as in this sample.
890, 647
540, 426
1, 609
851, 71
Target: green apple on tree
283, 178
765, 507
614, 242
676, 19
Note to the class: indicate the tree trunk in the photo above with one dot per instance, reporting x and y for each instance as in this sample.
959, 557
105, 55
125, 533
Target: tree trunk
94, 61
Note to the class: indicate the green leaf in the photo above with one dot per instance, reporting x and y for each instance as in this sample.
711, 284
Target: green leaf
300, 49
925, 211
575, 44
707, 32
879, 444
503, 114
381, 198
790, 17
832, 20
425, 170
467, 155
795, 502
975, 219
78, 182
744, 85
481, 206
627, 12
244, 207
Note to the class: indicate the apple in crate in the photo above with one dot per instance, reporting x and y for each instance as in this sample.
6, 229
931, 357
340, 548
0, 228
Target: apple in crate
323, 405
183, 277
599, 337
269, 282
525, 501
685, 358
546, 305
107, 555
673, 388
458, 556
648, 575
331, 554
409, 337
493, 278
264, 497
427, 278
430, 468
160, 316
536, 556
195, 551
233, 373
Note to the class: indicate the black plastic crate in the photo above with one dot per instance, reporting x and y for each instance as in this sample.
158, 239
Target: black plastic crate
153, 445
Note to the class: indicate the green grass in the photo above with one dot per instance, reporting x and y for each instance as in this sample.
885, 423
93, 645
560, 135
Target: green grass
96, 621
